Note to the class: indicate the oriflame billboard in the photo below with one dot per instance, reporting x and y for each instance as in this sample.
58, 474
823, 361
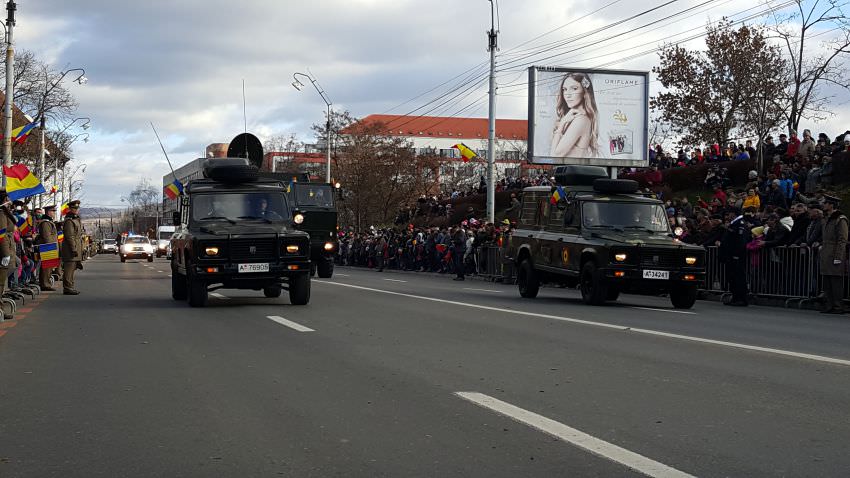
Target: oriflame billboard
581, 116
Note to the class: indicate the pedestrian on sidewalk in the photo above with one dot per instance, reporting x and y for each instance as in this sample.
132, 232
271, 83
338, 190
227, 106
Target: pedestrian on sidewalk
833, 255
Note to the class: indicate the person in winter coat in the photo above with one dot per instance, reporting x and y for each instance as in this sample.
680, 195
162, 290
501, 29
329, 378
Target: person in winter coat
833, 255
778, 231
733, 253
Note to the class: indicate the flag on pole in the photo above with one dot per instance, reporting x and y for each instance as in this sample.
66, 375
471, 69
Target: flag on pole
49, 254
20, 182
558, 195
64, 209
174, 190
54, 189
21, 133
467, 153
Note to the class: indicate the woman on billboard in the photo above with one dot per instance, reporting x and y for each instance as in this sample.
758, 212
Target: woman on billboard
576, 132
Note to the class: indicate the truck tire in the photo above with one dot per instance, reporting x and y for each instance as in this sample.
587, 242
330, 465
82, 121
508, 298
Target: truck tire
299, 289
197, 293
683, 296
527, 281
150, 258
594, 291
179, 286
272, 292
325, 269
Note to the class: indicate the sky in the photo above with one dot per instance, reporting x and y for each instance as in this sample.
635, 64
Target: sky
181, 64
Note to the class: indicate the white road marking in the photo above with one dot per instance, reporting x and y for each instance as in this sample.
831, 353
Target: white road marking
396, 280
290, 324
483, 290
159, 272
665, 310
578, 438
169, 275
219, 296
342, 275
658, 333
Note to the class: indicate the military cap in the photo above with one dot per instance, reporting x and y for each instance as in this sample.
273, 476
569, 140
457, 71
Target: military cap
831, 200
51, 207
74, 204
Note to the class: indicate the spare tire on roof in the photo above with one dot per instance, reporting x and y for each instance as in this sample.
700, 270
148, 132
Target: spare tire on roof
230, 170
615, 186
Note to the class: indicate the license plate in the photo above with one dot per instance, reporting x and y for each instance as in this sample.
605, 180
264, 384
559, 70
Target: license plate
253, 268
138, 249
663, 275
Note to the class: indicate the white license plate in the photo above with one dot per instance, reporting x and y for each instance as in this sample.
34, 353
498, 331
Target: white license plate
663, 275
253, 268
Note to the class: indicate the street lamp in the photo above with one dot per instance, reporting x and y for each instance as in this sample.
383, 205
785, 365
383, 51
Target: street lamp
297, 84
85, 125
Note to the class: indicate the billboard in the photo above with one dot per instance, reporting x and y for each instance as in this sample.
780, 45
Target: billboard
594, 117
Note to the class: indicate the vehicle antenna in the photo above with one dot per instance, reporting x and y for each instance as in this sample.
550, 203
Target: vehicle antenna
163, 151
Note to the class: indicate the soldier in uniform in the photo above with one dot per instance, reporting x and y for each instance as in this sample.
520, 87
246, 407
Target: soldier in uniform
833, 255
733, 253
72, 247
47, 234
7, 227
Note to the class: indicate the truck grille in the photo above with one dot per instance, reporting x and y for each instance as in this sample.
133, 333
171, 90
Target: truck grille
253, 249
663, 258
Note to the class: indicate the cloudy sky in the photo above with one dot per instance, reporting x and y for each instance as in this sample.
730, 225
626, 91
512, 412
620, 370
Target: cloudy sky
181, 64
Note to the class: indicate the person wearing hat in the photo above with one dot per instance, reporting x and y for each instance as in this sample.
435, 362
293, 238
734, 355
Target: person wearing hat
72, 247
833, 255
47, 234
733, 253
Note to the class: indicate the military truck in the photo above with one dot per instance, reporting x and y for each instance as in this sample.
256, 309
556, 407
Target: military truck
235, 230
605, 238
314, 211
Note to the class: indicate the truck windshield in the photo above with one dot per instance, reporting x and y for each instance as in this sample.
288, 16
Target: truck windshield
621, 215
240, 206
315, 195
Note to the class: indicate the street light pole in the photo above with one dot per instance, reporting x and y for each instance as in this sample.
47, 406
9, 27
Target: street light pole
492, 36
297, 85
10, 86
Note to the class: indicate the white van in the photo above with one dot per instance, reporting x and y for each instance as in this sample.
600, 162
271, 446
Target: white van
163, 237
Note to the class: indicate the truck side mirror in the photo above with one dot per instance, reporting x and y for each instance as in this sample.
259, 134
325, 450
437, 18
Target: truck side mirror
175, 218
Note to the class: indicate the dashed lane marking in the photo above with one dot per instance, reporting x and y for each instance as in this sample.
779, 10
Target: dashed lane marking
620, 328
586, 442
396, 280
160, 272
219, 296
342, 275
169, 275
666, 310
482, 290
289, 323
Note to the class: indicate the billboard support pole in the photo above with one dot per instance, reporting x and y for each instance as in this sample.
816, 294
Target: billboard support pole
492, 35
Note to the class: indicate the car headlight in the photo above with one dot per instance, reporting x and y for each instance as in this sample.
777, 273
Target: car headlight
329, 246
211, 251
690, 260
292, 248
621, 257
299, 218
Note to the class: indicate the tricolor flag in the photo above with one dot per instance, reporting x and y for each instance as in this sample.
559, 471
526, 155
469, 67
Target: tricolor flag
174, 190
2, 234
61, 237
21, 133
465, 152
54, 189
64, 209
20, 182
558, 195
24, 222
289, 186
49, 254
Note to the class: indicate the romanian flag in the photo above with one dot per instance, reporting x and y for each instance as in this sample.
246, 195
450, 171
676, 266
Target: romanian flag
64, 210
49, 254
21, 133
558, 195
24, 223
465, 152
174, 190
20, 182
61, 237
289, 186
53, 189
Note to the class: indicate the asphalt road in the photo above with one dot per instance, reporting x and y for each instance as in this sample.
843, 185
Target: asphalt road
406, 374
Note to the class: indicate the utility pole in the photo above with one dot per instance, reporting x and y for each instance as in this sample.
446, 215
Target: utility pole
10, 86
492, 36
41, 155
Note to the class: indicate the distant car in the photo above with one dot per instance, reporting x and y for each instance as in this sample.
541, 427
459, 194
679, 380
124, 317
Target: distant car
163, 237
109, 245
168, 251
136, 247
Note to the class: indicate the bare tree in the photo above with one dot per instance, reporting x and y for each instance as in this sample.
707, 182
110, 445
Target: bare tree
814, 66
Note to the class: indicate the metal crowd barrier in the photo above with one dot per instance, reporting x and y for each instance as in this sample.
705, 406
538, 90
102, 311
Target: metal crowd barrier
491, 264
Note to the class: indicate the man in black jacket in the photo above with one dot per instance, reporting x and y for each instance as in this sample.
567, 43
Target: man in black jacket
800, 214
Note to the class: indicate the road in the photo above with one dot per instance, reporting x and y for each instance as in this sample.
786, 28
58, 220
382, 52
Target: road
406, 374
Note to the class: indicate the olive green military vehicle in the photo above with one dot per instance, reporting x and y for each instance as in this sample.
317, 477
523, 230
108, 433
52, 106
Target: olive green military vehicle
603, 237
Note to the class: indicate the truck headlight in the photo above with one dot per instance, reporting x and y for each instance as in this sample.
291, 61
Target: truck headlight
211, 251
621, 257
329, 246
299, 218
690, 260
292, 249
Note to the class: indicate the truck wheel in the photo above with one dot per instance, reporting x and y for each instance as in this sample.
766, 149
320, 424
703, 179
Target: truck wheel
197, 293
272, 292
150, 258
683, 296
527, 280
593, 290
326, 269
299, 289
179, 286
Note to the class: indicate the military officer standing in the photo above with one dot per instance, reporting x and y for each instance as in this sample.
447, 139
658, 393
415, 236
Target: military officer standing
833, 255
72, 247
47, 234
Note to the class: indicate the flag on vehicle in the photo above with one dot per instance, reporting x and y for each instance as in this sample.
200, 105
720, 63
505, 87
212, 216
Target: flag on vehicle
20, 182
21, 133
49, 254
174, 190
558, 195
465, 152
